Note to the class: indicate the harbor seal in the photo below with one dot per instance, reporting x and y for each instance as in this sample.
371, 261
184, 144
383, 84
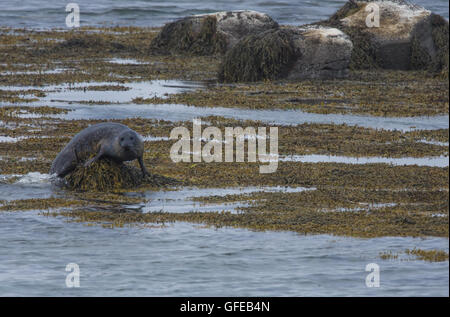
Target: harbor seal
113, 140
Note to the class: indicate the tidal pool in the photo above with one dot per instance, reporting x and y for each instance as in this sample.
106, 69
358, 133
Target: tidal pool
90, 91
126, 61
74, 97
179, 112
36, 185
10, 139
436, 161
180, 200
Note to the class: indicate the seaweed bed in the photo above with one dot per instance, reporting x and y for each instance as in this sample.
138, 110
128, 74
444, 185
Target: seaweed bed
267, 55
108, 175
424, 255
412, 200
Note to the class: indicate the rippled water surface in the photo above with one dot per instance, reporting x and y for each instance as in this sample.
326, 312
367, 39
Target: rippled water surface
184, 259
46, 14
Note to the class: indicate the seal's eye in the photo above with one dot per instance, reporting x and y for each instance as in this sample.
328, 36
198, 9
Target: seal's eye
121, 139
131, 138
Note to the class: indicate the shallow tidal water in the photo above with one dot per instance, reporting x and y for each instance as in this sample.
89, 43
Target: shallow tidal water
183, 259
47, 14
436, 161
74, 98
178, 112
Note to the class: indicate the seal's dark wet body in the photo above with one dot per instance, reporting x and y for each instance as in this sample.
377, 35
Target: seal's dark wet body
112, 140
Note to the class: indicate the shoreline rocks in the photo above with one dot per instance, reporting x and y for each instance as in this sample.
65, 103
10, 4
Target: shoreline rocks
324, 53
408, 37
255, 47
209, 34
290, 52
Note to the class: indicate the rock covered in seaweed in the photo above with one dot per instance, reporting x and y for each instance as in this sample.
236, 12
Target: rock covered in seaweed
408, 36
209, 34
290, 52
106, 174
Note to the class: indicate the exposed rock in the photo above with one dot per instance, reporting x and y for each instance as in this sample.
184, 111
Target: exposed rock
324, 53
291, 52
209, 34
408, 36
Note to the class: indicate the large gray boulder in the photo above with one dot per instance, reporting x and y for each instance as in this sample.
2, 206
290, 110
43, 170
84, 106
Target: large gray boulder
407, 37
208, 34
307, 52
322, 52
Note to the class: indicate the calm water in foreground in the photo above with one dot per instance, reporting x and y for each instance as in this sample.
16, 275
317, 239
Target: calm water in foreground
188, 260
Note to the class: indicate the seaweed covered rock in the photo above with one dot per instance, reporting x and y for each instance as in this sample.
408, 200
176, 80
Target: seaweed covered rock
209, 34
290, 52
106, 174
407, 37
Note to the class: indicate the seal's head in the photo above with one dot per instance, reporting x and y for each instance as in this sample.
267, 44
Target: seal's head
129, 144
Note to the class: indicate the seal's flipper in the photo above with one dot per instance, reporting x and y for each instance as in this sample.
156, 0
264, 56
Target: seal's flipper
95, 158
76, 154
143, 169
